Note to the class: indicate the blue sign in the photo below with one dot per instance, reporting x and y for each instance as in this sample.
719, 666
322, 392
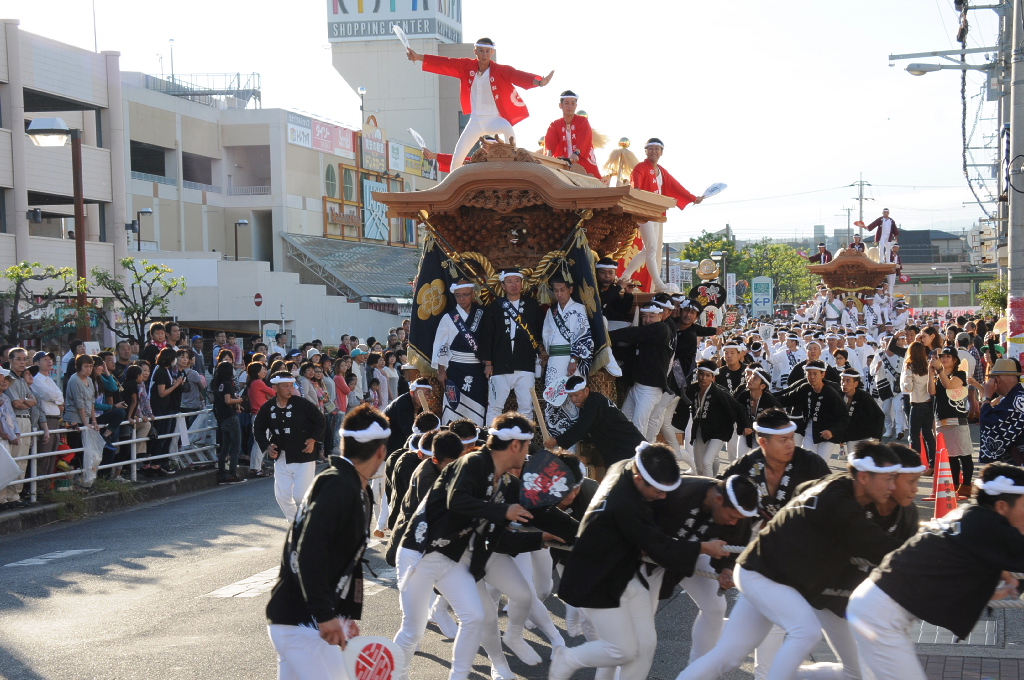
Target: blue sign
375, 214
762, 296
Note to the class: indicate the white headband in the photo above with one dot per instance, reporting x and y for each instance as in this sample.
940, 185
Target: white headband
999, 485
782, 430
459, 286
910, 471
416, 431
867, 464
653, 309
582, 384
568, 96
507, 434
657, 144
372, 433
732, 498
419, 386
505, 275
493, 47
814, 368
646, 475
708, 370
762, 374
662, 304
281, 379
735, 345
468, 441
606, 266
812, 342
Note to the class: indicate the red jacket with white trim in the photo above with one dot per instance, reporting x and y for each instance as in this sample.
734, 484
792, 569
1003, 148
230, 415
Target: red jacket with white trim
645, 176
576, 134
504, 80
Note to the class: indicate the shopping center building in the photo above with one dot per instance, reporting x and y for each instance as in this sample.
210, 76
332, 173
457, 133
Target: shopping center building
192, 172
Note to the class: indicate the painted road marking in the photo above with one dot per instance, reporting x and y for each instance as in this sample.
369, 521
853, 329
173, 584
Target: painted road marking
49, 557
255, 585
387, 577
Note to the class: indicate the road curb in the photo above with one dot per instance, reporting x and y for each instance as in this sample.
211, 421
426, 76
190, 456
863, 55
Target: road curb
41, 514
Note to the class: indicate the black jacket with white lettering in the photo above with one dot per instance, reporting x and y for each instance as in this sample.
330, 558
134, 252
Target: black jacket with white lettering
404, 509
826, 409
809, 543
321, 574
719, 416
289, 428
655, 346
617, 529
960, 557
866, 419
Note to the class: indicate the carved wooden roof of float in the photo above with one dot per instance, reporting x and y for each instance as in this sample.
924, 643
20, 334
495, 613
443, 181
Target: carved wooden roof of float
506, 197
852, 271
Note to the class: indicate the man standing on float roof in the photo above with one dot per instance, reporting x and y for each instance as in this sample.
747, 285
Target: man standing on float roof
571, 136
649, 176
487, 93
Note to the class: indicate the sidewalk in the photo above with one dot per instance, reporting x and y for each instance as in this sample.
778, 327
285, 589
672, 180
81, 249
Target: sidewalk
971, 668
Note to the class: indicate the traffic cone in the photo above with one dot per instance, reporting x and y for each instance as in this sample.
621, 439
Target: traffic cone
945, 491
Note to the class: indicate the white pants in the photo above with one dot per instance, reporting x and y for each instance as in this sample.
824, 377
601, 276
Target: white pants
640, 404
503, 574
303, 655
536, 567
895, 416
291, 481
881, 628
477, 127
626, 636
457, 585
384, 508
705, 455
502, 385
824, 448
840, 639
707, 627
651, 233
766, 651
763, 603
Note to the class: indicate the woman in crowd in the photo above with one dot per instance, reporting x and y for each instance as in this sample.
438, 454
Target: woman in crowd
951, 407
256, 393
325, 385
226, 406
932, 340
165, 398
110, 411
135, 394
80, 402
374, 364
390, 369
341, 372
842, 359
918, 380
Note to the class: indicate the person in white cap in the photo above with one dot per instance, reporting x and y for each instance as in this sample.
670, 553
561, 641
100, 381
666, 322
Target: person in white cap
570, 350
510, 345
603, 574
487, 93
802, 549
650, 176
289, 428
456, 357
978, 547
318, 596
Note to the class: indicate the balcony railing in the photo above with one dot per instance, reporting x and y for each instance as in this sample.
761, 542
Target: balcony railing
159, 179
202, 187
249, 191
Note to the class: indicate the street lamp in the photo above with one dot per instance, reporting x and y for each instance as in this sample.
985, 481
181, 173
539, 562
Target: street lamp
239, 223
720, 257
921, 69
138, 225
54, 132
362, 103
949, 284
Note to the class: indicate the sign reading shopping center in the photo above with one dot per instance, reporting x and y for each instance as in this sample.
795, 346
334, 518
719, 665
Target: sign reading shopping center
373, 19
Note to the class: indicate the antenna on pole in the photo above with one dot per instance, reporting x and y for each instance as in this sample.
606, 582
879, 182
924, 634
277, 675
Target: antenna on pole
95, 41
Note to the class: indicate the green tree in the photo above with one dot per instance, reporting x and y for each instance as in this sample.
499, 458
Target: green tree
701, 247
141, 292
993, 296
36, 299
784, 265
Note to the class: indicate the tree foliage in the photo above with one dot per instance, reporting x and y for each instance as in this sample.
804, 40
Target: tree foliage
993, 296
142, 291
793, 282
36, 299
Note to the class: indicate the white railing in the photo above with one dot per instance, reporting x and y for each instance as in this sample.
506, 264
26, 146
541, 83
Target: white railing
249, 191
133, 461
159, 179
201, 187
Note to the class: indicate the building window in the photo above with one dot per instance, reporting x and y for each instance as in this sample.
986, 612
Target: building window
3, 211
331, 181
350, 185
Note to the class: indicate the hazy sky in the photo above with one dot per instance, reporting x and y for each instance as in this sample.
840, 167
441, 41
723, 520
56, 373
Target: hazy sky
774, 99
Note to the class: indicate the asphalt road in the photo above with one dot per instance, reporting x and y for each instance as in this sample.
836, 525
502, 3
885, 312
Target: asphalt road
154, 592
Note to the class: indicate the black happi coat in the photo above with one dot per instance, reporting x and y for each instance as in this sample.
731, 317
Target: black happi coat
616, 305
403, 509
719, 416
732, 380
808, 544
321, 573
605, 426
401, 417
682, 514
804, 466
961, 557
655, 346
866, 419
401, 475
497, 346
289, 428
766, 402
617, 529
831, 374
576, 510
826, 409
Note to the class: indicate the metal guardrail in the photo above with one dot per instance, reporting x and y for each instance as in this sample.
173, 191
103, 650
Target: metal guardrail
133, 460
249, 191
159, 179
202, 187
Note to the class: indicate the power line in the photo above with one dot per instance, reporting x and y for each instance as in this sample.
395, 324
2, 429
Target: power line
768, 198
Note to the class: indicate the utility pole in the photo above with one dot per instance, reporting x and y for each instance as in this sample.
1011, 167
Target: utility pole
1015, 234
860, 184
848, 212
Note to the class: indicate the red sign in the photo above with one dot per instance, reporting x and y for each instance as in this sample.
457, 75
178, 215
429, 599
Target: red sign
257, 299
375, 663
904, 278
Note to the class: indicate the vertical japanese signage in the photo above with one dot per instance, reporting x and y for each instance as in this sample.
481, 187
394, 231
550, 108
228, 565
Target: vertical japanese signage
762, 296
375, 152
730, 288
396, 157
